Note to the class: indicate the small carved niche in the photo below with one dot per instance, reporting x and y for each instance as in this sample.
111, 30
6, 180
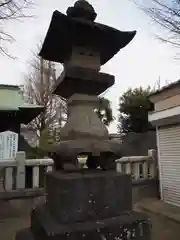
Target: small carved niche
84, 57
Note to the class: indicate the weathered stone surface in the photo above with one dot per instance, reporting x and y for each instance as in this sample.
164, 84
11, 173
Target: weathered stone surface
65, 32
84, 133
83, 10
130, 225
100, 153
86, 196
83, 122
85, 205
82, 81
75, 147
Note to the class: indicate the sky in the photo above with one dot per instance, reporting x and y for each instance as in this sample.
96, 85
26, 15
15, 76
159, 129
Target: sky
140, 63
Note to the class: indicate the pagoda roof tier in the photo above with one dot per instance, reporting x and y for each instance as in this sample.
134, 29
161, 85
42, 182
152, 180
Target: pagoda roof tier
82, 81
12, 105
65, 32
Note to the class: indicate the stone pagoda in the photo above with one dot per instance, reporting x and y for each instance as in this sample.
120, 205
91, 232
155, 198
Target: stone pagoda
84, 203
83, 46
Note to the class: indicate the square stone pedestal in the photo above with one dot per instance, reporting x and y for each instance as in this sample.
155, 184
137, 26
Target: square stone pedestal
129, 226
86, 196
87, 205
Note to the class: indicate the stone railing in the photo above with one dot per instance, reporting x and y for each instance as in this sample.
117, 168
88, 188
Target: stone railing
140, 167
144, 172
13, 173
13, 176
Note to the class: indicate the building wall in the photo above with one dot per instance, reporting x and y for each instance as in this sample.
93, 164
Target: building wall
165, 94
168, 138
169, 102
138, 144
168, 143
135, 144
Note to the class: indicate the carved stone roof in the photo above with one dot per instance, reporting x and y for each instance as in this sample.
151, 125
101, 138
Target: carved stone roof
78, 29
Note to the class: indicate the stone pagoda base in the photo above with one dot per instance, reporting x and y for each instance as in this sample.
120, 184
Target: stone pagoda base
128, 226
87, 205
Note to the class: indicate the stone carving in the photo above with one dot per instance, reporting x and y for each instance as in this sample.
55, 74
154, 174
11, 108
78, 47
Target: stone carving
90, 203
83, 47
82, 9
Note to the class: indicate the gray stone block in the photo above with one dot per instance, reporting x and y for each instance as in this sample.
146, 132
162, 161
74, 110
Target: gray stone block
130, 225
83, 81
77, 197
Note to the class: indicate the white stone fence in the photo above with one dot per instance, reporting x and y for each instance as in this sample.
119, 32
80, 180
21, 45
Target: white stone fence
141, 168
13, 173
13, 176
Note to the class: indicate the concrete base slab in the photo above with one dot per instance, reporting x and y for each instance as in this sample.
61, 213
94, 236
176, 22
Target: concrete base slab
165, 218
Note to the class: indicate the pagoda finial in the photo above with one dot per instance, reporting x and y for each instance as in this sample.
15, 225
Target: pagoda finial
82, 9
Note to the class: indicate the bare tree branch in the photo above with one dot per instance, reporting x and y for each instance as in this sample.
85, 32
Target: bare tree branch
38, 90
167, 15
11, 10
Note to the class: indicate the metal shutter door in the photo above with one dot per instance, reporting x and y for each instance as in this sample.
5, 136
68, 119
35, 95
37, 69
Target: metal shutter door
169, 163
